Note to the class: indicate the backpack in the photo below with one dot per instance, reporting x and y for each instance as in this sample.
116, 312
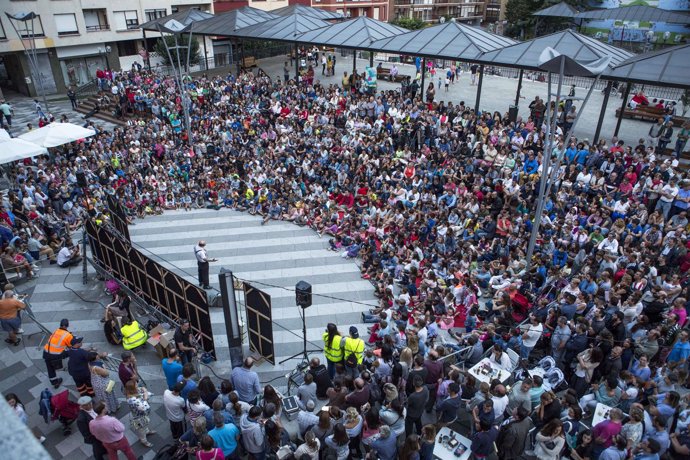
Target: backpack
375, 394
351, 360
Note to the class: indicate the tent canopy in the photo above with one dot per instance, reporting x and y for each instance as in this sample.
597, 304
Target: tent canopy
317, 13
185, 17
284, 28
17, 149
451, 40
637, 13
56, 134
231, 21
355, 33
559, 10
667, 67
525, 55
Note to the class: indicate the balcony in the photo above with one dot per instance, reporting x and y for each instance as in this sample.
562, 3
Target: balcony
96, 20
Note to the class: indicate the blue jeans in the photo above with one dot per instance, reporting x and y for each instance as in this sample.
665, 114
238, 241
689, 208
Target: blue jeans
525, 351
369, 318
665, 207
331, 368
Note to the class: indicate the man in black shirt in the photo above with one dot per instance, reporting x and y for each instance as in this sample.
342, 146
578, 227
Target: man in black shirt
321, 378
183, 342
86, 414
447, 409
415, 406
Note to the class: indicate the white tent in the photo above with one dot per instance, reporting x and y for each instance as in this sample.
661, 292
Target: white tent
56, 134
17, 149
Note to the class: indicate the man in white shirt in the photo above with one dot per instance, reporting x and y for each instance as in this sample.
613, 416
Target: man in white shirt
668, 194
531, 336
609, 244
174, 409
202, 261
68, 255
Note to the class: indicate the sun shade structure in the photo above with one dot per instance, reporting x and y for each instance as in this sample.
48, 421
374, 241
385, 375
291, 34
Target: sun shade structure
450, 40
559, 10
355, 33
286, 28
56, 134
525, 55
17, 149
307, 11
667, 67
637, 13
232, 21
186, 17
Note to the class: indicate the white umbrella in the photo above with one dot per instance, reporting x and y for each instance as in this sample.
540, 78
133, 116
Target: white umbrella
18, 149
56, 134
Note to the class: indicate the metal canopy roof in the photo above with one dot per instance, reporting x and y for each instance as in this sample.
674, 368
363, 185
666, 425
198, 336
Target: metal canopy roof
356, 33
525, 55
185, 17
559, 10
637, 13
451, 40
307, 11
667, 67
231, 21
286, 28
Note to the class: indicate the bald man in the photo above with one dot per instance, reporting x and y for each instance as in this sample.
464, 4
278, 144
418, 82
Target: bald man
202, 261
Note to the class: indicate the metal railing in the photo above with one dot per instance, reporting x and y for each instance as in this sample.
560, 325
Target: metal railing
87, 89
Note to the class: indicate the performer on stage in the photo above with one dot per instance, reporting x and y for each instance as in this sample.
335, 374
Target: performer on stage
202, 261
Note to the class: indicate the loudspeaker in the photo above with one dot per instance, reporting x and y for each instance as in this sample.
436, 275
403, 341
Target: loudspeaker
513, 113
81, 179
303, 294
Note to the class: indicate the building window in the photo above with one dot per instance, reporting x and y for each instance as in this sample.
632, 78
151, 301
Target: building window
66, 24
24, 28
126, 20
152, 15
127, 47
96, 19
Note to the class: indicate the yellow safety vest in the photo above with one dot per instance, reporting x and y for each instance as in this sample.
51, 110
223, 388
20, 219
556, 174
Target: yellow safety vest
334, 353
355, 346
133, 335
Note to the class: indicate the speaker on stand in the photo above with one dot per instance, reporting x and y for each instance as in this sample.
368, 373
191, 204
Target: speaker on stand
303, 300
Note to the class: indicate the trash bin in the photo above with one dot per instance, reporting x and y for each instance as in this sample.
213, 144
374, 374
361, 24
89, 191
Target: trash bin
513, 113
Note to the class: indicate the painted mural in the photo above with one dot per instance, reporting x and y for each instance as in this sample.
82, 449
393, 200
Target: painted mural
646, 33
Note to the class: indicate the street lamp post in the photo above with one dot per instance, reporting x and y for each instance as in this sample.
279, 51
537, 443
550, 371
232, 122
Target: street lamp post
28, 38
105, 52
177, 30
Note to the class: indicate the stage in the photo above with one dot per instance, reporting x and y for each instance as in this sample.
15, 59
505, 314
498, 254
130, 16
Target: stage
273, 258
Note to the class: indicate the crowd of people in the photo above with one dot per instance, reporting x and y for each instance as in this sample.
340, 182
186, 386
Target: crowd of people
436, 203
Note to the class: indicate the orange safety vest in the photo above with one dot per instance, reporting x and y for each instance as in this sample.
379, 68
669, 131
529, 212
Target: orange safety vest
57, 342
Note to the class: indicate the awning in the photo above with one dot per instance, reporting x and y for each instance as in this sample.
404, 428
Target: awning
185, 17
231, 21
451, 40
559, 10
286, 28
355, 33
317, 13
56, 134
637, 13
667, 67
17, 149
525, 55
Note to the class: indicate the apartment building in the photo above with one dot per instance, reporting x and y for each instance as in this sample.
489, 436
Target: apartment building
472, 11
74, 38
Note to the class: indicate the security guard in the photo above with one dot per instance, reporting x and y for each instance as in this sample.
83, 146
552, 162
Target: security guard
54, 351
133, 335
332, 348
353, 346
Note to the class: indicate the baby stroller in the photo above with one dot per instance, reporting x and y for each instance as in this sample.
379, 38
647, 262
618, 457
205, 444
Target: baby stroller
64, 410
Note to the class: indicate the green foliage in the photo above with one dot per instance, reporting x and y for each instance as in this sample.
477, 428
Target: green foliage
409, 23
182, 40
521, 22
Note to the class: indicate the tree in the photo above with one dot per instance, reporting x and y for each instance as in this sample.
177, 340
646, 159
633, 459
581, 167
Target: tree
182, 41
409, 23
